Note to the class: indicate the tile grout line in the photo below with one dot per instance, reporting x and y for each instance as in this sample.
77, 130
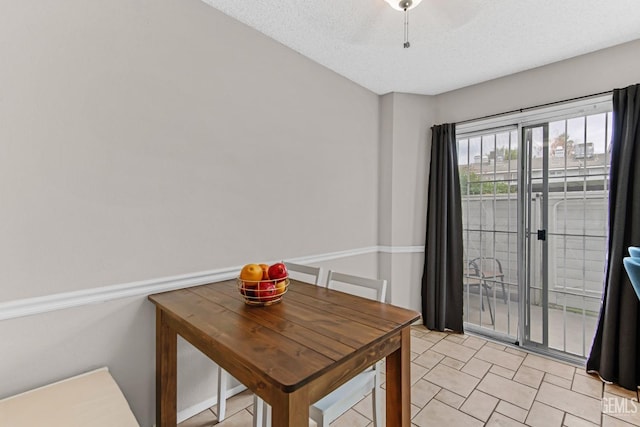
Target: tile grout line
536, 397
499, 399
480, 380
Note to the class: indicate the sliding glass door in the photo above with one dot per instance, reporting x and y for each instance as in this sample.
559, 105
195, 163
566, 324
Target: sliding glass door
534, 198
489, 186
564, 231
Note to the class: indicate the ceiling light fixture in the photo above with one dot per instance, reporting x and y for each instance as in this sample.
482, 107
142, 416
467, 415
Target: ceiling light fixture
404, 5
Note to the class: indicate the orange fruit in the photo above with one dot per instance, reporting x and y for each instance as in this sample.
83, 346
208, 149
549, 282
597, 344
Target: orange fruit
265, 271
251, 272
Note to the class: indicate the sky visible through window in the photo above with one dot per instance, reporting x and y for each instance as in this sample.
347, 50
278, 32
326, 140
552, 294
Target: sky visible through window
596, 131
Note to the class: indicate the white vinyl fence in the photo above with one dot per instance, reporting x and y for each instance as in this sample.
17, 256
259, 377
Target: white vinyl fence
576, 235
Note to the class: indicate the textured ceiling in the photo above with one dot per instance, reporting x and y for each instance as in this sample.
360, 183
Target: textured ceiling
454, 43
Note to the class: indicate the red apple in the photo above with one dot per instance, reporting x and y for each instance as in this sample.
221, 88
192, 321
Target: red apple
278, 271
266, 291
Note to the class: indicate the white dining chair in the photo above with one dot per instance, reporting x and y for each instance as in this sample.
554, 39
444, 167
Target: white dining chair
296, 271
223, 376
330, 407
304, 273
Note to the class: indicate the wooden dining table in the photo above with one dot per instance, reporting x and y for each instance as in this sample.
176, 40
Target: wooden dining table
291, 354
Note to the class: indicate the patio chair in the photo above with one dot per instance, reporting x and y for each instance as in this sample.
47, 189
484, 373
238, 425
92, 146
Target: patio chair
473, 278
490, 270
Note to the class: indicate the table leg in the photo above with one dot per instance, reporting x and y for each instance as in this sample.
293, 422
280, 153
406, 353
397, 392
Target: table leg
166, 372
291, 409
399, 383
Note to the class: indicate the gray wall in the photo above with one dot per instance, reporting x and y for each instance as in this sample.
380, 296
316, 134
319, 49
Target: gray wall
143, 139
588, 74
138, 143
405, 141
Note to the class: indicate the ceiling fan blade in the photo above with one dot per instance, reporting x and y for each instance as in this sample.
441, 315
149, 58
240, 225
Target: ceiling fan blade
450, 14
353, 21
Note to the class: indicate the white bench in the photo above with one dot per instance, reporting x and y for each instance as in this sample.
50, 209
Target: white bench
91, 399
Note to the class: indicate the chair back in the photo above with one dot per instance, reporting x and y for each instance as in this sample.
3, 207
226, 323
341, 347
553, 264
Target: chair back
355, 282
304, 272
487, 267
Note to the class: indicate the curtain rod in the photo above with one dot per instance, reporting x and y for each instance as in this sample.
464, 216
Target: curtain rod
521, 110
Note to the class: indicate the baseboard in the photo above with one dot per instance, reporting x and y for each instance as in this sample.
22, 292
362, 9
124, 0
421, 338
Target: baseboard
64, 300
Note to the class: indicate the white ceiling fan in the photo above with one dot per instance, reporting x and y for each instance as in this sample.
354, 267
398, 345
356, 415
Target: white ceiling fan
406, 6
369, 22
451, 13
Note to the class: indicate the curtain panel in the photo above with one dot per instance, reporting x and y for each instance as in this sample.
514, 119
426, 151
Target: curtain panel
615, 352
442, 291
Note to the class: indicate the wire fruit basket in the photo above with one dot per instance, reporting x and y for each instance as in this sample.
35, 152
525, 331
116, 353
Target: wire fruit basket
263, 292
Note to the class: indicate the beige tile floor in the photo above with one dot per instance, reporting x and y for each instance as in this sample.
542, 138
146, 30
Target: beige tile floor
465, 380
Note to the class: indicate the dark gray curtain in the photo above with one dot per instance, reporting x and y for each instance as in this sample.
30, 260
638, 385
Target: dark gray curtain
442, 277
615, 352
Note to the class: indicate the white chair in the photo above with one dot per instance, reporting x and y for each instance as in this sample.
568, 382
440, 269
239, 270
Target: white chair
262, 411
222, 393
330, 407
304, 272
